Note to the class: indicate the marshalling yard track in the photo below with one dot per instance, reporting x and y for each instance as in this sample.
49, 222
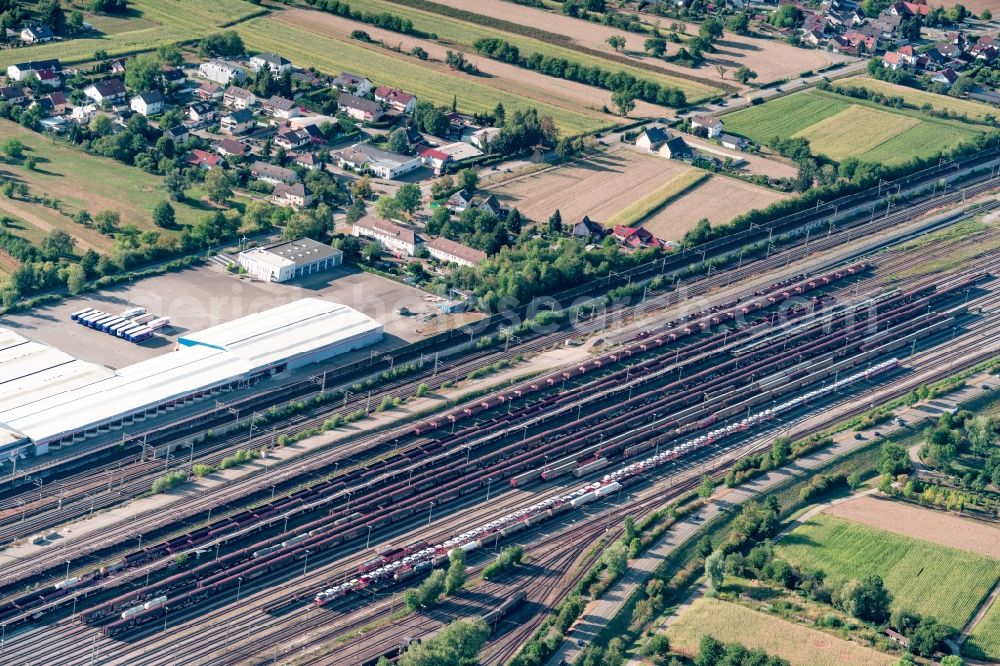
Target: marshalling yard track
296, 558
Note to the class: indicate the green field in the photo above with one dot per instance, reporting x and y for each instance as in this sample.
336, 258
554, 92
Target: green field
86, 182
424, 80
800, 645
839, 127
967, 107
926, 578
984, 641
456, 31
175, 21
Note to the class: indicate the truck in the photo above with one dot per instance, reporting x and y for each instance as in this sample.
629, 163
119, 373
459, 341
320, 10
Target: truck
133, 312
158, 323
79, 313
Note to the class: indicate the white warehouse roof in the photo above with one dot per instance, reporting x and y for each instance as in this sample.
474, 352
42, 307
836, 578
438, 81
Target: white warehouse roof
287, 331
53, 394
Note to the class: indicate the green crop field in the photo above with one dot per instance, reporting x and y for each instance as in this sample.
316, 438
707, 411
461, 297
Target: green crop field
801, 646
927, 578
781, 117
462, 33
427, 82
854, 131
161, 22
838, 127
966, 107
984, 641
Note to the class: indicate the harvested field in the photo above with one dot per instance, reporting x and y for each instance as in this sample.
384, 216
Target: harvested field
800, 645
719, 199
920, 523
854, 131
436, 84
928, 578
598, 186
557, 35
642, 208
569, 95
967, 107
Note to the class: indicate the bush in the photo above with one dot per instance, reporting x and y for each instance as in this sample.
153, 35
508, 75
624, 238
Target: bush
508, 558
168, 481
202, 469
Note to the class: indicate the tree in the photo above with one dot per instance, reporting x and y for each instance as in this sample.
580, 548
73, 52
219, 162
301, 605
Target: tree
51, 14
958, 13
555, 222
426, 593
657, 646
387, 207
442, 187
954, 659
107, 221
624, 100
76, 279
12, 148
979, 432
739, 23
711, 651
893, 460
362, 188
789, 16
744, 74
455, 578
986, 15
617, 42
711, 29
781, 448
57, 244
499, 113
409, 198
468, 179
455, 645
218, 186
866, 599
75, 22
174, 184
398, 143
355, 211
163, 215
715, 569
706, 488
929, 636
721, 69
142, 73
655, 46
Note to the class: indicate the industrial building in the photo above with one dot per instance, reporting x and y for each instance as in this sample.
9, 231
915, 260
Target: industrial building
49, 399
289, 259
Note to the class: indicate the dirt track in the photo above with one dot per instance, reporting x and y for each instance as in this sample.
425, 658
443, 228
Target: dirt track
516, 80
938, 527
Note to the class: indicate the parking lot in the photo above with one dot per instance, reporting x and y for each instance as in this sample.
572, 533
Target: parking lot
205, 296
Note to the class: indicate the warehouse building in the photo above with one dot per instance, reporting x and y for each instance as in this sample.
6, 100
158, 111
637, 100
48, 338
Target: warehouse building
289, 259
49, 399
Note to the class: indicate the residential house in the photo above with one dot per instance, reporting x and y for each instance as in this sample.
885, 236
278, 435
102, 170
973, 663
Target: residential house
148, 103
117, 66
382, 163
435, 159
401, 241
395, 99
481, 138
587, 229
279, 107
174, 76
946, 77
25, 70
306, 78
886, 25
674, 147
269, 173
861, 42
228, 147
60, 103
948, 51
290, 139
359, 108
37, 34
811, 38
307, 160
178, 134
203, 159
13, 95
841, 45
109, 91
222, 72
987, 54
451, 252
201, 112
652, 138
711, 125
352, 83
237, 122
908, 54
459, 201
293, 196
635, 237
908, 9
49, 77
83, 113
491, 205
273, 61
893, 60
209, 91
733, 142
238, 98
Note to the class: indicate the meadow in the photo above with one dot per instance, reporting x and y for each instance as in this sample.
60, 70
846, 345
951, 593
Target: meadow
428, 82
800, 645
838, 127
966, 107
463, 33
159, 22
642, 208
942, 582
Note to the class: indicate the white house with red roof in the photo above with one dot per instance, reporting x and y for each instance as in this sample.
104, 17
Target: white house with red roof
395, 99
